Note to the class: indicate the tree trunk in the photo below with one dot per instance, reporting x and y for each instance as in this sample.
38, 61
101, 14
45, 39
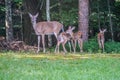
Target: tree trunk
83, 18
8, 21
98, 9
110, 20
48, 19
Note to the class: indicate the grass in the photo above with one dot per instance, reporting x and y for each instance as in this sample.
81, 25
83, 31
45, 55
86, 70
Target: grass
22, 66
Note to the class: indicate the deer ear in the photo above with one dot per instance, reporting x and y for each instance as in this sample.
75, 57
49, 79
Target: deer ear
104, 30
73, 28
30, 14
100, 30
37, 15
69, 27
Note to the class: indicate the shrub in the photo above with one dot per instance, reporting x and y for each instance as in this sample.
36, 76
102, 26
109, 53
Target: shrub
112, 47
93, 47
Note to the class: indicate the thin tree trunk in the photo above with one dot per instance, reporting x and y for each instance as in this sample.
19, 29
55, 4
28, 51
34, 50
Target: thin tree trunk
98, 14
104, 19
110, 20
60, 8
83, 18
8, 21
48, 19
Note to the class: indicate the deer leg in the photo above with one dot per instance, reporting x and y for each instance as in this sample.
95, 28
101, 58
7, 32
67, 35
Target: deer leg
63, 45
43, 42
57, 43
74, 46
80, 42
70, 46
55, 35
55, 49
99, 42
102, 43
38, 44
58, 47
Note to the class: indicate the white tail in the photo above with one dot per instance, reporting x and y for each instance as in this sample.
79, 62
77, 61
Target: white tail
101, 39
76, 37
45, 28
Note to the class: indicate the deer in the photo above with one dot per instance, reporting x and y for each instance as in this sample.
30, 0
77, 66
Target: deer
76, 37
63, 38
101, 38
45, 28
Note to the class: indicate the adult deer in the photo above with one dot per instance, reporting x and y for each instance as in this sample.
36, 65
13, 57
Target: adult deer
45, 28
63, 38
101, 39
76, 37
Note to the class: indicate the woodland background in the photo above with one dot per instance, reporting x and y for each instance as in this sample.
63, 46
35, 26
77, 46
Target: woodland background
102, 14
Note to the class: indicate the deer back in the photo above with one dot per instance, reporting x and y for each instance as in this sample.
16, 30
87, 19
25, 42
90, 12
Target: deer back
48, 27
77, 35
64, 36
100, 36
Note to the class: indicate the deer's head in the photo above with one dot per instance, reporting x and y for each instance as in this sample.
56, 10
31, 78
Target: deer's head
70, 30
102, 31
33, 17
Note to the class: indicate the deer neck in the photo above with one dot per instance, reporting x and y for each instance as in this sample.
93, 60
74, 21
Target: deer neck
34, 26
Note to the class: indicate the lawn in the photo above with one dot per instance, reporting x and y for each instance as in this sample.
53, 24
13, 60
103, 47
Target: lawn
25, 66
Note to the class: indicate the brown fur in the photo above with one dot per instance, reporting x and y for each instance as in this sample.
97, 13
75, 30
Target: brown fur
45, 28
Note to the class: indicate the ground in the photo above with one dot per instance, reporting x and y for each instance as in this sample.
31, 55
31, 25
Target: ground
31, 66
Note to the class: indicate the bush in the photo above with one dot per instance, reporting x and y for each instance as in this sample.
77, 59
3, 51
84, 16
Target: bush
112, 47
93, 47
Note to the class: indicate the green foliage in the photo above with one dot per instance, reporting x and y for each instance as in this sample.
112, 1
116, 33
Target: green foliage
112, 47
64, 13
17, 1
2, 8
70, 17
67, 18
91, 46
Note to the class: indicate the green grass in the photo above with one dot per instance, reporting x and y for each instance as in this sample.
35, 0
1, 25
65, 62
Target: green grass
22, 66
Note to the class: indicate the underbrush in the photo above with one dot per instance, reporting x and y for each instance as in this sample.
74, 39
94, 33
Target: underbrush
93, 47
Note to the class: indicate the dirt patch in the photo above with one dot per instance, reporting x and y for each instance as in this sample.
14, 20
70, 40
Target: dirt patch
16, 46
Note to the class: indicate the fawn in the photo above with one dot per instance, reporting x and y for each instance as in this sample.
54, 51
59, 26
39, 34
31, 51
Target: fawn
101, 39
63, 38
76, 37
